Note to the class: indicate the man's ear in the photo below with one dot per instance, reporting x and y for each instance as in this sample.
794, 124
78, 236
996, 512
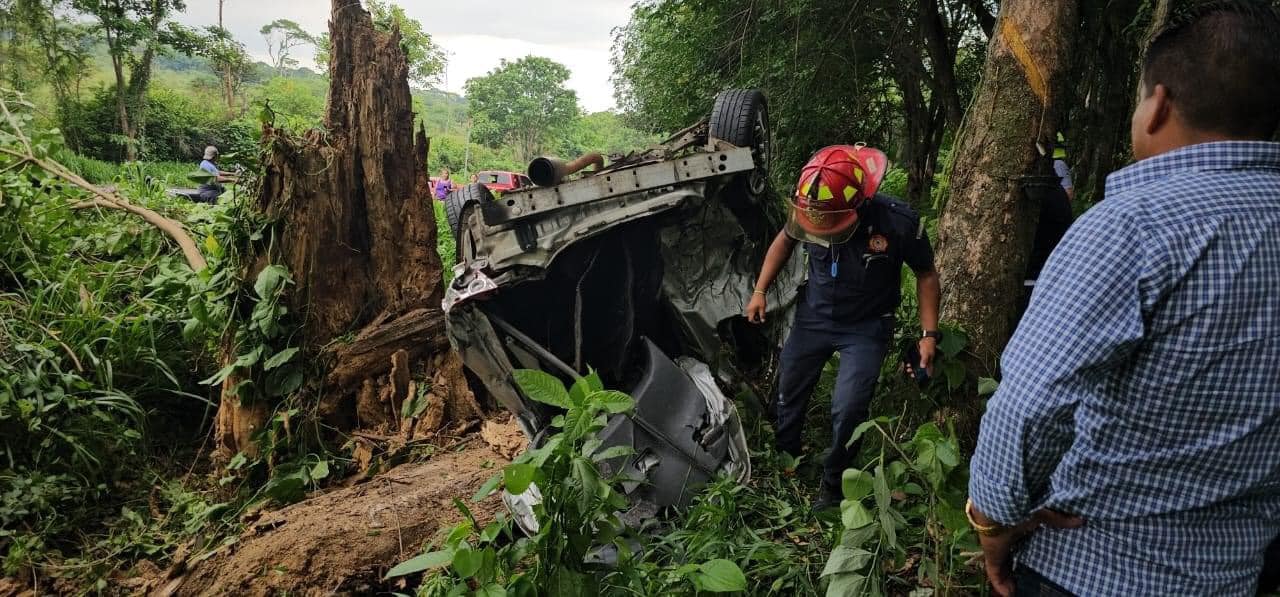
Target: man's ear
1161, 109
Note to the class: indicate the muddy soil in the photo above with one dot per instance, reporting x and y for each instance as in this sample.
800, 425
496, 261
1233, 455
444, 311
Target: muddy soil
343, 541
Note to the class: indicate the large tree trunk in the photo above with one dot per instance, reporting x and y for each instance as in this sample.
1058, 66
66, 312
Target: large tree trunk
358, 233
987, 225
122, 110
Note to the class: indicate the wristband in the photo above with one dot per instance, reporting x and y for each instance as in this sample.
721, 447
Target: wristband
759, 292
986, 530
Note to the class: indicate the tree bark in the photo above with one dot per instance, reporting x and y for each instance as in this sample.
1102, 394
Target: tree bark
933, 29
986, 20
117, 65
987, 225
356, 228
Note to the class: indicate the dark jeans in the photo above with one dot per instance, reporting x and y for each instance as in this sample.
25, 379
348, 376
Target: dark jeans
1029, 583
862, 348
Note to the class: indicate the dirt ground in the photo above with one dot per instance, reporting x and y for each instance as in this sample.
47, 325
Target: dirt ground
343, 541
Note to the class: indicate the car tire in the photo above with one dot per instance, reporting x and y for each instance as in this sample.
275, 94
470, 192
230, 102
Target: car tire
741, 117
455, 204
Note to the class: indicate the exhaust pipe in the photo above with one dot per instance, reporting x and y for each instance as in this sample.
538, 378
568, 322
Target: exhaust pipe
548, 172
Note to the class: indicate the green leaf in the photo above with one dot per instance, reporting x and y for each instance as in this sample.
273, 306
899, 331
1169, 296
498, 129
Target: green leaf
953, 341
270, 280
491, 590
282, 382
459, 532
491, 532
583, 387
846, 559
881, 488
426, 561
847, 585
589, 480
613, 452
854, 515
487, 488
890, 529
467, 561
854, 538
590, 446
987, 386
320, 470
543, 387
720, 576
518, 477
864, 427
612, 401
856, 484
279, 358
220, 376
928, 431
947, 453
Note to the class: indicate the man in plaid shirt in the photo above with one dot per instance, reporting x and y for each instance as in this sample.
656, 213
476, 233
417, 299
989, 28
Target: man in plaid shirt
1133, 447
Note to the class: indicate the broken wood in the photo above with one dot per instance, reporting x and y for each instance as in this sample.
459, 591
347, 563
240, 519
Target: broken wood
355, 226
103, 197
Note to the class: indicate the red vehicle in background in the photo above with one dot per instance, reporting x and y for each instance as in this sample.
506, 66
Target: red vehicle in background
501, 182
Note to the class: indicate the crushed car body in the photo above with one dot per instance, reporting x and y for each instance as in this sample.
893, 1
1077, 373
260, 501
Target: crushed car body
638, 271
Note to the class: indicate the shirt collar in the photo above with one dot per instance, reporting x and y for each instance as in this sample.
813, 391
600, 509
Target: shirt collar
1219, 155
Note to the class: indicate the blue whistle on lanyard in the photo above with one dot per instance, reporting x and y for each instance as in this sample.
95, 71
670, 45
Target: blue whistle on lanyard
835, 269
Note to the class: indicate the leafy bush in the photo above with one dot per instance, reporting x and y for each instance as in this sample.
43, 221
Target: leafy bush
915, 524
91, 348
177, 129
575, 515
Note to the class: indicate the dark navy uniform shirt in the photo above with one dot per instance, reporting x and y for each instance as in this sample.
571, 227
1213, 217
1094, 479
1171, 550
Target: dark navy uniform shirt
861, 277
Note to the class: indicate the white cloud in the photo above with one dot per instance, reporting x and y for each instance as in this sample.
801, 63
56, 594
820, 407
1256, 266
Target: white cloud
476, 33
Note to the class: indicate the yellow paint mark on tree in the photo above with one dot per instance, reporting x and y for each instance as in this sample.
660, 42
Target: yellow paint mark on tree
1014, 40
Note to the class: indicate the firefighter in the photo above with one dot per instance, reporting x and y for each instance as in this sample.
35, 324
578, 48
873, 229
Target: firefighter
856, 242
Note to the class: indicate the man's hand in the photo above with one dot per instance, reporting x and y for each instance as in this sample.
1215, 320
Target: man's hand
928, 350
756, 308
997, 549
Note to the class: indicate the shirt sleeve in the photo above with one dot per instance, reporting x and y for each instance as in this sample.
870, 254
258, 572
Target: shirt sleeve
208, 166
918, 252
1085, 319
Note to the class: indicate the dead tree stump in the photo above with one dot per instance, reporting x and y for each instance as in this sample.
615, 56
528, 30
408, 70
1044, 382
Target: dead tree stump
356, 228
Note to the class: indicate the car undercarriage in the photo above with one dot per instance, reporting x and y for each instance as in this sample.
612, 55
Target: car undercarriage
639, 272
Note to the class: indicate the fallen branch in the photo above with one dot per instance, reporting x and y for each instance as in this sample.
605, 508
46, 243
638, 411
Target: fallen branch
169, 226
107, 199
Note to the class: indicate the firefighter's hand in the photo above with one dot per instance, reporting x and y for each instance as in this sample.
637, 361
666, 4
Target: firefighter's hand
756, 308
928, 350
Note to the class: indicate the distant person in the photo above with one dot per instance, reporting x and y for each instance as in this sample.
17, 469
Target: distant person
1063, 171
475, 178
1133, 446
443, 186
1055, 220
210, 190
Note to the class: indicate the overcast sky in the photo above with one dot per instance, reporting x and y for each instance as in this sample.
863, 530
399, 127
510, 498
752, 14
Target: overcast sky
475, 33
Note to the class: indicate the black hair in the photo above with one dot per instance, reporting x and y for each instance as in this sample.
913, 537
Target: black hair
1220, 62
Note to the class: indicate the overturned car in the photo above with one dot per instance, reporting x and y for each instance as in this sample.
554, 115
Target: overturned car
638, 271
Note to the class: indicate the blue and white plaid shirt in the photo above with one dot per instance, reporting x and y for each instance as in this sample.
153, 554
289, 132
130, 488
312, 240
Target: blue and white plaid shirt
1142, 388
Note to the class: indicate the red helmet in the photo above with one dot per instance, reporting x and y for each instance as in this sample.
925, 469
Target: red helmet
834, 184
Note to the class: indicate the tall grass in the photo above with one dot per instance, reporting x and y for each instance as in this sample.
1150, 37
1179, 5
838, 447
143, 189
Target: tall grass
92, 348
100, 172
